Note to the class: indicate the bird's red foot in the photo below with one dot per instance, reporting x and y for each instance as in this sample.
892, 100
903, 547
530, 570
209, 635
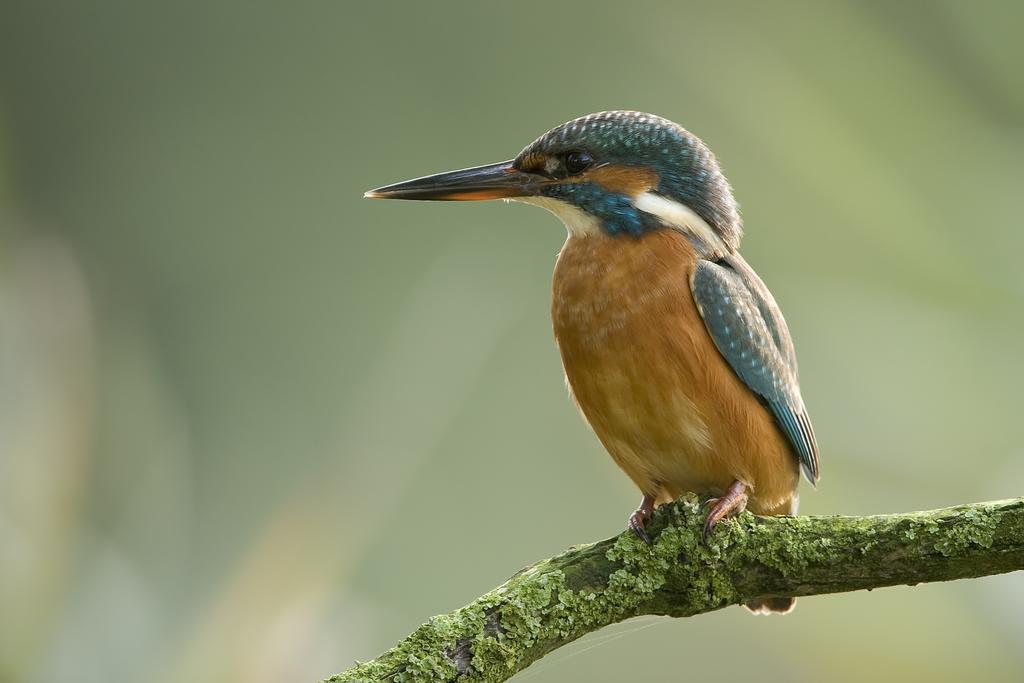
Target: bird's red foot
640, 517
732, 503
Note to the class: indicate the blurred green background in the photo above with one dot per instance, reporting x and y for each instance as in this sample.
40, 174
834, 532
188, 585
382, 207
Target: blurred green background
253, 427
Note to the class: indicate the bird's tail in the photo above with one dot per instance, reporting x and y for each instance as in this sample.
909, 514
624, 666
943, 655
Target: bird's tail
771, 605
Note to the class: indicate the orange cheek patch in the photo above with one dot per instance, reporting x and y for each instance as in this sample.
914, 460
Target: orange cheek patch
629, 180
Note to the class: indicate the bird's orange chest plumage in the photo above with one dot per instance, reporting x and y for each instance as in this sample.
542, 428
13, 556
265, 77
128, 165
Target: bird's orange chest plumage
650, 381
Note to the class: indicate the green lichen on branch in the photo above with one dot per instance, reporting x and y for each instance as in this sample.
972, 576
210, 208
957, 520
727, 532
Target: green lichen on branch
560, 599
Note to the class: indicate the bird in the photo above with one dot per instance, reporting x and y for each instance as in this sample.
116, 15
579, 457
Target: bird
674, 350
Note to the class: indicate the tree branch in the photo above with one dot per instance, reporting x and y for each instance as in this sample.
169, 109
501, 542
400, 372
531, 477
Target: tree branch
558, 600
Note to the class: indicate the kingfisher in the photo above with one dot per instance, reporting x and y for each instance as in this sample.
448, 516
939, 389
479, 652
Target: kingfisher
674, 350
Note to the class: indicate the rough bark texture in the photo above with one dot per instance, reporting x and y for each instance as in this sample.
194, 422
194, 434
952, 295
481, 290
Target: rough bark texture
558, 600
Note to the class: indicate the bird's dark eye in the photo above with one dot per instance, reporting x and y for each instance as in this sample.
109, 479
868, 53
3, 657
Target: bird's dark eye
577, 162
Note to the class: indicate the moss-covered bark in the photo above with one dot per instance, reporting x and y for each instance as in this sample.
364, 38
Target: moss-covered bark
557, 600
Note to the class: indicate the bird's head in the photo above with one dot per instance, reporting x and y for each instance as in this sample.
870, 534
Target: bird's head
623, 173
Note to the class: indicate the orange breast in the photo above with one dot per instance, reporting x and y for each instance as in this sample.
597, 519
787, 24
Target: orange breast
647, 376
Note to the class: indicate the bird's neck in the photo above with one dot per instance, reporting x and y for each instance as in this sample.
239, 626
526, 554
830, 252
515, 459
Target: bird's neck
600, 281
660, 213
669, 213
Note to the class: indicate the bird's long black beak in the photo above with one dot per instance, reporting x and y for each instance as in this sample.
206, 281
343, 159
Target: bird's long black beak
494, 181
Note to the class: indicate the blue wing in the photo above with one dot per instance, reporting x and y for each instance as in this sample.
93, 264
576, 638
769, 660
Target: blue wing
748, 328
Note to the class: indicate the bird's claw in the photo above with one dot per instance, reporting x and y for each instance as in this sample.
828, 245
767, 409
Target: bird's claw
638, 520
732, 503
637, 526
709, 526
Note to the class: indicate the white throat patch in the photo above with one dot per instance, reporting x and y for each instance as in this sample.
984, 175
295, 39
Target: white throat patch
681, 217
578, 222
